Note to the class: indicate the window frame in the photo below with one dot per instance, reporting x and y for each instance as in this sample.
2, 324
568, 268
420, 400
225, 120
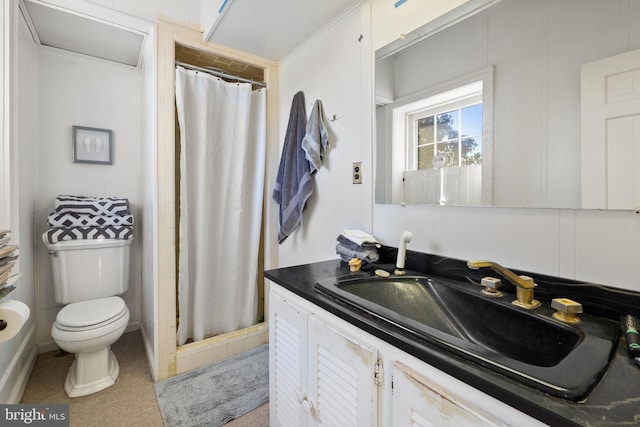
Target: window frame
398, 131
457, 104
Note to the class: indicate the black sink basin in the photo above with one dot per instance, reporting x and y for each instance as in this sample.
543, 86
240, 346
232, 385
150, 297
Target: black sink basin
529, 345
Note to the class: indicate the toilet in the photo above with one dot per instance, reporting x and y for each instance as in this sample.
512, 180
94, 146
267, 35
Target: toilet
88, 276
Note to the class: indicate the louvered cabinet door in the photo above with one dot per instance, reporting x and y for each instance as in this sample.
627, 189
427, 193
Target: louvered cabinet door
287, 363
341, 378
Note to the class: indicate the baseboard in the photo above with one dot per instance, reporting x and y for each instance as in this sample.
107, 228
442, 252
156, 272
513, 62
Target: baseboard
149, 352
20, 387
45, 347
132, 326
210, 350
16, 390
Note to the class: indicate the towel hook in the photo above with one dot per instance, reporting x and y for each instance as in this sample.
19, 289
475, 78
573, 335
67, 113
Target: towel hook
334, 118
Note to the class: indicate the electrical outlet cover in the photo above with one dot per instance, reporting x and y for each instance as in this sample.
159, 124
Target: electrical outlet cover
357, 173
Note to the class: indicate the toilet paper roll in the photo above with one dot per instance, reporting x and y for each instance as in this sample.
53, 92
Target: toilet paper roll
15, 313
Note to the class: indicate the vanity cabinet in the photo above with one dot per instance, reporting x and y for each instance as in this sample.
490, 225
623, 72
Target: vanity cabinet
319, 375
325, 371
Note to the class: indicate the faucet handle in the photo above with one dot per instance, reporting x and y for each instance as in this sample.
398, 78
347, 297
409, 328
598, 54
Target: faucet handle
491, 285
528, 280
566, 310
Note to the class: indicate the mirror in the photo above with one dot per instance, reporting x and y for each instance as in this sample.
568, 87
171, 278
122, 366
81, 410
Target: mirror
521, 60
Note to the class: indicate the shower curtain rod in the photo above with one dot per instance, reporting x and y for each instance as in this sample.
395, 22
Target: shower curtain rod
220, 74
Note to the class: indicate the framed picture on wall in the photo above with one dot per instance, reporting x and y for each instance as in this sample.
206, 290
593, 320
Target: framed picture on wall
92, 145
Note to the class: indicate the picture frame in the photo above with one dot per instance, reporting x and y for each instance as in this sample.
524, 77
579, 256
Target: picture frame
92, 145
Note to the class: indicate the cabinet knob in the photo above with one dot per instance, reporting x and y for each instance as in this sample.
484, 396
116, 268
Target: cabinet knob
307, 406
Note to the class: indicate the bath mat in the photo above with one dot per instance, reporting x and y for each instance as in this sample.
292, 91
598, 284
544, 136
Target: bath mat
218, 393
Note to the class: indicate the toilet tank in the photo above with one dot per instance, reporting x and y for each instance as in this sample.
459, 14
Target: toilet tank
89, 269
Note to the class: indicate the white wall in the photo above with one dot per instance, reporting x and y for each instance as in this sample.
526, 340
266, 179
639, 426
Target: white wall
149, 217
27, 175
591, 246
595, 246
17, 355
329, 67
142, 16
78, 90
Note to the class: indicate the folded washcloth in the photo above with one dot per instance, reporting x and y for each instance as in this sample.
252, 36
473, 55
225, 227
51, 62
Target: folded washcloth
352, 245
360, 237
316, 137
108, 206
293, 183
72, 219
59, 234
346, 254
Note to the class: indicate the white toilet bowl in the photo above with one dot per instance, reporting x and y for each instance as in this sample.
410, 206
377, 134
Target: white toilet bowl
88, 329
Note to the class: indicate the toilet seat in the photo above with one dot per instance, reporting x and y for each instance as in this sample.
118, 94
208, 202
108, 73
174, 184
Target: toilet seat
91, 314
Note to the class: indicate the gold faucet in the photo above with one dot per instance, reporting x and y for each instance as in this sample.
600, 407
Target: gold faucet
524, 284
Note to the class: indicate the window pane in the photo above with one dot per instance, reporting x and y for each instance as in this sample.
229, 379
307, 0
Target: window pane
472, 120
472, 151
425, 130
425, 157
447, 125
450, 150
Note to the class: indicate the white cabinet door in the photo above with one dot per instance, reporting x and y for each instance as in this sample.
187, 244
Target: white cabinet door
418, 402
341, 378
317, 374
323, 372
287, 363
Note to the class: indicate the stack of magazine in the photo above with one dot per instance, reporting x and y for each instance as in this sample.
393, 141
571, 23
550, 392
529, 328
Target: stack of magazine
8, 257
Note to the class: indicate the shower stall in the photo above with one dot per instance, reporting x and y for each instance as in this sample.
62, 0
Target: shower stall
222, 159
181, 349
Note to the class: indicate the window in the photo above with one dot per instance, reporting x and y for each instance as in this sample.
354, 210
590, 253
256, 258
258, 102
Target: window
450, 138
434, 145
445, 130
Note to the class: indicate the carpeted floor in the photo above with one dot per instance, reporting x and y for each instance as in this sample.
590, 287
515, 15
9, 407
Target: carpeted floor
131, 401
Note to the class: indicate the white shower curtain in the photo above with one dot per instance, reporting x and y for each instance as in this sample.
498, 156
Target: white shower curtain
222, 155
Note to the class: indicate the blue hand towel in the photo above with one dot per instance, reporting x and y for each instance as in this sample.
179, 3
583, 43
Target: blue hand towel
316, 138
293, 183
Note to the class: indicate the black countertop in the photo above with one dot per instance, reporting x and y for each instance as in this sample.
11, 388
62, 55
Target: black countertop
615, 401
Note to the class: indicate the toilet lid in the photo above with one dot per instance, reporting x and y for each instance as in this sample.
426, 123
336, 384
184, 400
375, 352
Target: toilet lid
92, 312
